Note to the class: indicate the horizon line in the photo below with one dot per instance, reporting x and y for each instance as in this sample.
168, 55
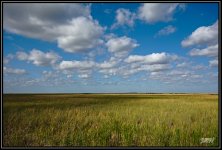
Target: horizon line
117, 93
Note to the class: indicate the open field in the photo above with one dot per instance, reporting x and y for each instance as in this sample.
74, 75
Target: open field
110, 120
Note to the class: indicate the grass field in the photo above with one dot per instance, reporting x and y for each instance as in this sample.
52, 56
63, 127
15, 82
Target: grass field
110, 119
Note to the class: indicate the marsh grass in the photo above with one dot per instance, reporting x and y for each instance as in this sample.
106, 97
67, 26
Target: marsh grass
109, 120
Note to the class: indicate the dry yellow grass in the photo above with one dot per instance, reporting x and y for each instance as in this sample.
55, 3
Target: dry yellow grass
110, 120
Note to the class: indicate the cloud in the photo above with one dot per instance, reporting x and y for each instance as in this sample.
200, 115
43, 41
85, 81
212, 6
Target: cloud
187, 75
213, 63
182, 6
196, 76
157, 12
124, 17
179, 73
183, 75
22, 55
109, 67
7, 70
207, 38
109, 71
38, 57
51, 78
154, 58
182, 65
199, 67
83, 69
202, 36
112, 62
49, 74
35, 20
121, 46
84, 76
155, 74
7, 59
177, 76
127, 72
48, 79
133, 69
106, 65
80, 35
70, 25
210, 51
166, 30
69, 76
70, 65
155, 62
155, 67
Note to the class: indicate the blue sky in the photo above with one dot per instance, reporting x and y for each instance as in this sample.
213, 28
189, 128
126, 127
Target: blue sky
110, 47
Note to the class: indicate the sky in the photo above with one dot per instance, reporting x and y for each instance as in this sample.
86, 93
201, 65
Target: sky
110, 47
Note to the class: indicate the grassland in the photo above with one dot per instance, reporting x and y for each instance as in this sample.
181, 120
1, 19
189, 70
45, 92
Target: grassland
109, 120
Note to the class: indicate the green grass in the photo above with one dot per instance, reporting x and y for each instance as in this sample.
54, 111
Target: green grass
109, 120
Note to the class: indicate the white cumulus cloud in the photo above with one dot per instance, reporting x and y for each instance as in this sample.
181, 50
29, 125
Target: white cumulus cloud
213, 63
202, 36
121, 46
155, 67
37, 20
22, 55
69, 65
166, 30
7, 59
38, 57
7, 70
84, 76
154, 58
157, 12
155, 62
112, 62
210, 51
80, 35
69, 25
124, 17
